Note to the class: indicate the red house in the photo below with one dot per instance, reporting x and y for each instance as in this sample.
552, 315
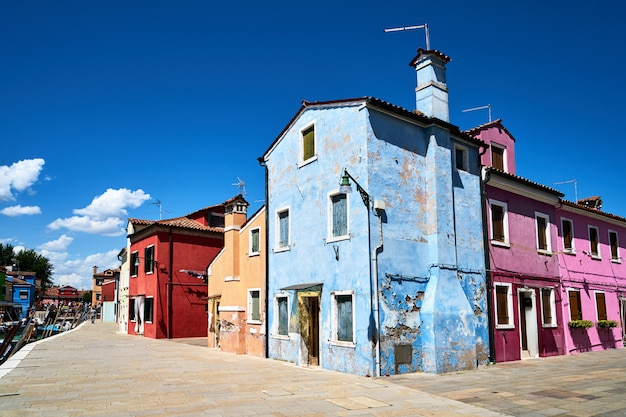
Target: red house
168, 260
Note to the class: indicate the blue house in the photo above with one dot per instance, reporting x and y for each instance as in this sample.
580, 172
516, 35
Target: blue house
375, 241
23, 284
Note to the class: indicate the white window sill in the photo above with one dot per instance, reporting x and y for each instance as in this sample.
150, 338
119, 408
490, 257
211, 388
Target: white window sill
596, 257
505, 327
550, 326
569, 252
285, 249
280, 336
253, 322
351, 345
250, 255
307, 162
502, 244
544, 252
616, 261
332, 239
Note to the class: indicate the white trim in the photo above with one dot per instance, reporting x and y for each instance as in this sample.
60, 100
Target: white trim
554, 322
509, 305
335, 319
229, 278
232, 227
250, 251
599, 254
301, 161
329, 223
617, 260
277, 247
274, 332
505, 222
231, 308
548, 250
571, 251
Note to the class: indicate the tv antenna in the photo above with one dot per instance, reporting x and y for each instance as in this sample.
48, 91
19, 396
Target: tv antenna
158, 203
488, 106
241, 186
575, 188
424, 26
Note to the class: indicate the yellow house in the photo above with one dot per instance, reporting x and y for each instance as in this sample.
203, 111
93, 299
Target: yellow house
236, 280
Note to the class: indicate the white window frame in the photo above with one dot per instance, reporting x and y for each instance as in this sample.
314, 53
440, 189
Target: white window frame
152, 261
548, 249
277, 247
505, 221
497, 145
335, 319
302, 162
509, 302
465, 161
595, 302
617, 260
330, 237
276, 324
596, 255
572, 250
553, 323
576, 290
252, 252
133, 257
250, 320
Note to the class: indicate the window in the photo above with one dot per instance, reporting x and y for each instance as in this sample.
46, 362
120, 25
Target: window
148, 258
282, 325
254, 305
548, 307
497, 157
134, 268
148, 309
600, 305
98, 296
131, 309
283, 230
499, 222
504, 306
542, 223
574, 305
338, 216
567, 230
215, 219
614, 242
254, 241
23, 295
343, 316
460, 158
308, 143
594, 247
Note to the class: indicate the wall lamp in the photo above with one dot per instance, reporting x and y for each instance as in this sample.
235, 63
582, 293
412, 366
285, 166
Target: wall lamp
346, 188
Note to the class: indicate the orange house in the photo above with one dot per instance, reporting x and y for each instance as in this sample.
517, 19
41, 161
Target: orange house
237, 289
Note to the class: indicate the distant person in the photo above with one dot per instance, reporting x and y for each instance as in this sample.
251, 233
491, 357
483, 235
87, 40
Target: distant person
93, 315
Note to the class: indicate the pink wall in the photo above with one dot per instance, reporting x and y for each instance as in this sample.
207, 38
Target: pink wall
495, 132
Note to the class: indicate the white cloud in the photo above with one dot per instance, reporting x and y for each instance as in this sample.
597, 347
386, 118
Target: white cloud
105, 214
19, 210
58, 245
19, 176
113, 203
79, 272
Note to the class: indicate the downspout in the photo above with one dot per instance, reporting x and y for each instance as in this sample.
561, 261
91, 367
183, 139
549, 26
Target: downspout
485, 176
267, 267
169, 287
376, 302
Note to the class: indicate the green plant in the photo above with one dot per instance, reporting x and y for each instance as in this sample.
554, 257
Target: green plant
607, 324
580, 324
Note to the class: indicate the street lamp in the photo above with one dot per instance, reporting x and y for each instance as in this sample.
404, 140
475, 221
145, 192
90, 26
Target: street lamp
378, 206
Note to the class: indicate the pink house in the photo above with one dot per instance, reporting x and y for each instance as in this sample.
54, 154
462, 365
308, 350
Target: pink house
550, 262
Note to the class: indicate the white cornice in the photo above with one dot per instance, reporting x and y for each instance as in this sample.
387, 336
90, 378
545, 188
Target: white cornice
523, 190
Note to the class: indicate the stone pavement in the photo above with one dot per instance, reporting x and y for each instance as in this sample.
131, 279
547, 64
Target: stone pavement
94, 371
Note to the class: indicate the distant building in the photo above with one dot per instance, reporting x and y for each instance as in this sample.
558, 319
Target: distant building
23, 289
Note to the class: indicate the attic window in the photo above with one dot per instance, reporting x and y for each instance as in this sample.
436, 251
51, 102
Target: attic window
215, 219
497, 157
308, 144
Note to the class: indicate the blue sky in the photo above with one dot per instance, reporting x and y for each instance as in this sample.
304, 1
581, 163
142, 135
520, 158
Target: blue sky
108, 107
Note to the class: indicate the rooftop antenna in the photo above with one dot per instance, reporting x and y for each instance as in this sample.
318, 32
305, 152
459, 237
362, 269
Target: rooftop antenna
424, 26
158, 203
241, 186
575, 188
488, 106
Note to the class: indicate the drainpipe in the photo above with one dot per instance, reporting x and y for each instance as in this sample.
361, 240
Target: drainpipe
267, 264
169, 287
485, 176
375, 253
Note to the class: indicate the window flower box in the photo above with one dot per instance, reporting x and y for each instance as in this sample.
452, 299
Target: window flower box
606, 324
580, 324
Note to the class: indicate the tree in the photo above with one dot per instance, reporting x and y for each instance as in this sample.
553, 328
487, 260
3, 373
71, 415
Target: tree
29, 261
6, 254
87, 296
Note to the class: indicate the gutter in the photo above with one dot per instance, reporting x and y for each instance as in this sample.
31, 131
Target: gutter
485, 176
267, 265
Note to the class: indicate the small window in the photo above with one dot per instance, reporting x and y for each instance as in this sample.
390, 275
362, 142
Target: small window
148, 309
98, 296
254, 305
343, 316
594, 245
542, 223
460, 158
131, 309
499, 222
504, 306
614, 242
567, 230
282, 325
574, 305
255, 241
338, 216
215, 219
548, 307
134, 267
283, 230
497, 157
148, 257
308, 143
23, 295
600, 306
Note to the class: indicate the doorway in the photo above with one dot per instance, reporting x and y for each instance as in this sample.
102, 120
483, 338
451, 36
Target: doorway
622, 309
529, 333
309, 309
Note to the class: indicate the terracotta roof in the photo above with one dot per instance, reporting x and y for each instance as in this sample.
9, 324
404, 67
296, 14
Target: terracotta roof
525, 181
594, 211
376, 102
19, 281
475, 130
